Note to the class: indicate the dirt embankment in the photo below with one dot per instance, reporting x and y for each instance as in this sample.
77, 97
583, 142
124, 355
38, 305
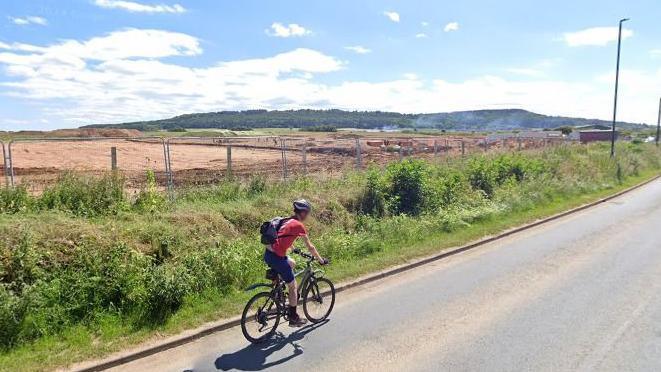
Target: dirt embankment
94, 132
75, 133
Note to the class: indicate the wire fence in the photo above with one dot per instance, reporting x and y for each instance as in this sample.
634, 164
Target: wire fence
182, 162
37, 163
4, 180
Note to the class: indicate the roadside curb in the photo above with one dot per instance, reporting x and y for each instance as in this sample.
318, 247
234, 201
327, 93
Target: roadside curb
213, 327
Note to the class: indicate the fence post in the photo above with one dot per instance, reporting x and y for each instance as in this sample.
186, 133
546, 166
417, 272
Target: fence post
518, 140
11, 164
113, 158
305, 158
435, 148
229, 160
359, 155
168, 167
401, 152
283, 146
4, 164
463, 148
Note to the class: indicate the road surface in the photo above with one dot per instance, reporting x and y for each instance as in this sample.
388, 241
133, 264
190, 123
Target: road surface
581, 293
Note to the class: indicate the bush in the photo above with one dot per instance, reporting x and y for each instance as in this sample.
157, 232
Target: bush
482, 175
486, 174
11, 317
257, 185
407, 188
15, 199
86, 196
150, 199
450, 187
372, 201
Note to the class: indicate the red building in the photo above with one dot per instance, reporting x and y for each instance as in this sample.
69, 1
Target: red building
595, 135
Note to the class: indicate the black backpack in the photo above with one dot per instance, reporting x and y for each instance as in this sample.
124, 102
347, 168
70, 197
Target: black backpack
269, 230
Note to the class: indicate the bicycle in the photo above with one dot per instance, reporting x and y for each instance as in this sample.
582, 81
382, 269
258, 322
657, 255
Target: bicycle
261, 316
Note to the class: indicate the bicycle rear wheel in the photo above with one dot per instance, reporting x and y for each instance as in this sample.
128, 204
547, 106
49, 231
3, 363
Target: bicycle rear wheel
318, 299
260, 318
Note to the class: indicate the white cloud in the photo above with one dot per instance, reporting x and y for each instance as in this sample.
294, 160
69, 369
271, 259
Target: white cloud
595, 36
280, 30
122, 77
119, 77
424, 23
393, 16
655, 53
525, 71
358, 49
536, 70
452, 26
29, 20
421, 35
136, 7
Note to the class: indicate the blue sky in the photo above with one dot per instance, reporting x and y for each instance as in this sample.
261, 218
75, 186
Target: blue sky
65, 63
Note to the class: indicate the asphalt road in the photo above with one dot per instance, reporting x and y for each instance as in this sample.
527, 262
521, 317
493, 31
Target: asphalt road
581, 293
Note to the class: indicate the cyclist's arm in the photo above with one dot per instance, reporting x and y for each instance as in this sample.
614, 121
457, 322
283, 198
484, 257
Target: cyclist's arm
312, 248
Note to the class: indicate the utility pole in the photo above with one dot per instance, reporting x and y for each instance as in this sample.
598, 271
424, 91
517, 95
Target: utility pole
658, 125
617, 80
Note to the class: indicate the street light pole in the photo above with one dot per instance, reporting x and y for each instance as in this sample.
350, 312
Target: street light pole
617, 80
658, 125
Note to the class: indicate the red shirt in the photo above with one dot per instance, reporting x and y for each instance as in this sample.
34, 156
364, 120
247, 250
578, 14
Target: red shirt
289, 232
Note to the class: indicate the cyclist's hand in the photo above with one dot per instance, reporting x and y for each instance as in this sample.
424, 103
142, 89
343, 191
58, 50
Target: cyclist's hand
323, 261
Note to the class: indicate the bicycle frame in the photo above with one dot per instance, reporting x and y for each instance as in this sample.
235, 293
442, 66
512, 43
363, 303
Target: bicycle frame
306, 273
277, 290
275, 305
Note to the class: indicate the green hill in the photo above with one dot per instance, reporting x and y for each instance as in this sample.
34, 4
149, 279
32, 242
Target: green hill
477, 120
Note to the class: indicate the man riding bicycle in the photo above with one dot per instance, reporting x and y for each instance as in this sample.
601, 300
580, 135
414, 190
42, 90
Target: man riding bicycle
276, 254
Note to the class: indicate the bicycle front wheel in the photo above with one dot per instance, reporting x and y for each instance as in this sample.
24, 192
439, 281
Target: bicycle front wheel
260, 318
318, 299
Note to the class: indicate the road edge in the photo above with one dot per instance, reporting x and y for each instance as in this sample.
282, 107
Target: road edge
217, 326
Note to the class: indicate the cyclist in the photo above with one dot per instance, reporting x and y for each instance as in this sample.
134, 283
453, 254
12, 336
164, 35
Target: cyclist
276, 254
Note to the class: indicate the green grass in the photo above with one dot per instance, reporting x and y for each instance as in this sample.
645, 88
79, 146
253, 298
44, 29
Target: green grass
88, 276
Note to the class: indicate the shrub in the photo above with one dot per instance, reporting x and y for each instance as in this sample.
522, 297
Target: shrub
481, 175
11, 317
14, 199
407, 188
450, 187
150, 199
487, 174
257, 185
86, 196
372, 201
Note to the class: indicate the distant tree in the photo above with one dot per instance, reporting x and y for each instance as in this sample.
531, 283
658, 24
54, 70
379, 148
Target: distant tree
566, 130
320, 128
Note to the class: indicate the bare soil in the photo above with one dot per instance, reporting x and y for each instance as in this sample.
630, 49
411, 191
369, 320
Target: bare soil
205, 160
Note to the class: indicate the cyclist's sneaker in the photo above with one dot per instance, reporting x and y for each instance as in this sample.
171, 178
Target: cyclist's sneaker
296, 321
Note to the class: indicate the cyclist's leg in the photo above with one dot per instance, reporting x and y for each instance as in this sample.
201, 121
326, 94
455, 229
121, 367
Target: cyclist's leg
284, 268
292, 286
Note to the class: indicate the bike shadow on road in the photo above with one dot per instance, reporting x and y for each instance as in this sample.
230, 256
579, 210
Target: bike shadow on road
253, 357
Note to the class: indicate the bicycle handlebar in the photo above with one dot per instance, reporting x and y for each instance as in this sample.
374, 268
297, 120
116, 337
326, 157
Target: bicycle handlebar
302, 254
307, 256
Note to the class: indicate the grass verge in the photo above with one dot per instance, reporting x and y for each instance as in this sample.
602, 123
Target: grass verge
66, 247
